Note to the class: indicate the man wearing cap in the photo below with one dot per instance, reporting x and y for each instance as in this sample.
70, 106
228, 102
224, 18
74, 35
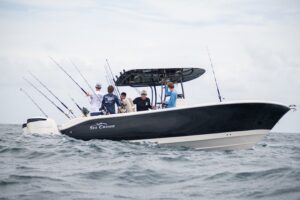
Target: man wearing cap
96, 100
143, 102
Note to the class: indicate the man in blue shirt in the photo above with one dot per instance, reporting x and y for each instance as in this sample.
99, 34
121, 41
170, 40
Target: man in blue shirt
109, 101
169, 91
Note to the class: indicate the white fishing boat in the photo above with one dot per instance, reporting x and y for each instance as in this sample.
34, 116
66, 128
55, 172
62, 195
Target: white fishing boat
224, 125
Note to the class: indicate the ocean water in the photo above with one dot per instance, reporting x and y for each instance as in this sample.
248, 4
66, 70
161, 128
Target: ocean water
59, 167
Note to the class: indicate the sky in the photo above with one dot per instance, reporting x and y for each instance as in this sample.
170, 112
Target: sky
254, 45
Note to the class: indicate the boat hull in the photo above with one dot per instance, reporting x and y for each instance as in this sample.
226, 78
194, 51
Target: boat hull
216, 141
226, 125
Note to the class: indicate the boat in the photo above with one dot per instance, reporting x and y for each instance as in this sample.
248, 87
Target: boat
214, 126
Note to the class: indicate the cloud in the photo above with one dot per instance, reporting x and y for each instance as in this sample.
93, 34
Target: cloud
254, 46
49, 4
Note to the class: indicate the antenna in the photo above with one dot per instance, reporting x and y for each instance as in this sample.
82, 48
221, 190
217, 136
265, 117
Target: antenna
211, 64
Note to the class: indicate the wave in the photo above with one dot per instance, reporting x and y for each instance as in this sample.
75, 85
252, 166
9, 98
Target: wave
50, 167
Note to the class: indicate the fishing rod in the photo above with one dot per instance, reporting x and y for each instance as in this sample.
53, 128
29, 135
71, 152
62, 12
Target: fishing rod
137, 91
64, 105
76, 104
82, 76
83, 110
112, 77
22, 90
108, 79
86, 81
110, 82
211, 64
47, 98
60, 67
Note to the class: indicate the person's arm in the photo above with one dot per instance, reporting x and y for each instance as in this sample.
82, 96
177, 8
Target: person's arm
117, 101
130, 102
166, 103
167, 92
149, 104
135, 101
173, 98
102, 104
90, 97
134, 104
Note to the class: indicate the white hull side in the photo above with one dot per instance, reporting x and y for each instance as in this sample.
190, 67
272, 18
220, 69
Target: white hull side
217, 141
44, 127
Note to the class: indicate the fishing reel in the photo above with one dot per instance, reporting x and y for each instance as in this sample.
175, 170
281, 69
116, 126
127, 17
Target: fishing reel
85, 111
103, 112
293, 107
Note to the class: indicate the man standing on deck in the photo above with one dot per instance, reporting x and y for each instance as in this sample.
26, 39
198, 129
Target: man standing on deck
169, 91
109, 101
142, 102
96, 100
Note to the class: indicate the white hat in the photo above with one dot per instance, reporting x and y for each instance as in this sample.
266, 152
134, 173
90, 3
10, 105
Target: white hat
98, 85
144, 92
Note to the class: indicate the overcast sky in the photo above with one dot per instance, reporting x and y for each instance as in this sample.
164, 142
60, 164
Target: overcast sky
255, 48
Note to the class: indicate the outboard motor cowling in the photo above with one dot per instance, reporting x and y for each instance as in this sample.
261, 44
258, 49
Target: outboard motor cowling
41, 125
24, 128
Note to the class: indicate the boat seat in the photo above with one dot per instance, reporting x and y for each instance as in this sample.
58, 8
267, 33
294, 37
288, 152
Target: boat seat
181, 103
180, 96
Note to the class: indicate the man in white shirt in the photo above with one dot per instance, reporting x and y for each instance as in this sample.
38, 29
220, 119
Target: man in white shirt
96, 100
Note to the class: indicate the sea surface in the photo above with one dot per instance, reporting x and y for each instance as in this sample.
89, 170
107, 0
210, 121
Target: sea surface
59, 167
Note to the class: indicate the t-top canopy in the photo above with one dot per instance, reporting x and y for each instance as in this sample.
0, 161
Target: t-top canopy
157, 77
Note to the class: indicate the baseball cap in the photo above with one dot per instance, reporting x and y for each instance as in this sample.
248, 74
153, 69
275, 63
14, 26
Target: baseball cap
98, 85
144, 92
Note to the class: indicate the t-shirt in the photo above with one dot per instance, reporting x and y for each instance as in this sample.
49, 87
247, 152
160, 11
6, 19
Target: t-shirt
95, 101
142, 104
127, 105
173, 97
108, 103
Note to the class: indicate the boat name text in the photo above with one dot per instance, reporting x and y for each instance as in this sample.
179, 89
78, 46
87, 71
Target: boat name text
101, 125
